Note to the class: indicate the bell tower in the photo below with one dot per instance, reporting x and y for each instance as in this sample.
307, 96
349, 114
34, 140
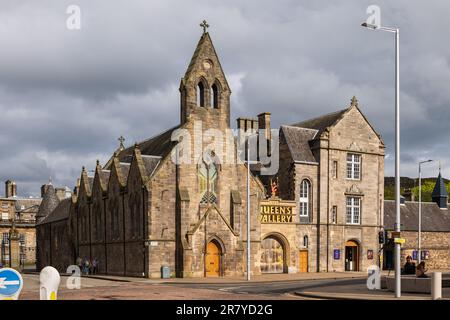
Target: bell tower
204, 90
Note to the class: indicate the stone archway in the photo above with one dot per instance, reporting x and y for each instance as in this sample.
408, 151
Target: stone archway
274, 254
213, 259
352, 255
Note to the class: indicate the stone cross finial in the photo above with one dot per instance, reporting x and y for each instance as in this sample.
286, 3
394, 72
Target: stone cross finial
204, 25
354, 101
121, 141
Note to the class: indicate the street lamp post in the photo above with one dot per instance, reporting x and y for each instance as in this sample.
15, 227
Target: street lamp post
248, 206
419, 236
396, 31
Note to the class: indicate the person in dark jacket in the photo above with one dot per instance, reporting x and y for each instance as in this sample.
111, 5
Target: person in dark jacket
410, 267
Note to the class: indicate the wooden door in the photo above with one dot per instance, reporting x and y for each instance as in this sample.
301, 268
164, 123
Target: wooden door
212, 260
303, 261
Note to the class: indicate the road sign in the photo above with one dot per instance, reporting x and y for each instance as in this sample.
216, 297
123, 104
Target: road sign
400, 240
10, 284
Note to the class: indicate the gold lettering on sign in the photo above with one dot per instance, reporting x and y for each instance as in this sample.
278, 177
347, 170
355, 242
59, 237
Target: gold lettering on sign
276, 213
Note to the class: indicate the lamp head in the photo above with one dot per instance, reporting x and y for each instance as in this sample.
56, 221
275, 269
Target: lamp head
368, 25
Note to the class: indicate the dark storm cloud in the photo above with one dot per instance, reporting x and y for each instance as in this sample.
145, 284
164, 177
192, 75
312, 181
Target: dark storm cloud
66, 96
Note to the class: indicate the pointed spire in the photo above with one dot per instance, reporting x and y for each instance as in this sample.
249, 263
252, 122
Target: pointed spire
440, 194
354, 101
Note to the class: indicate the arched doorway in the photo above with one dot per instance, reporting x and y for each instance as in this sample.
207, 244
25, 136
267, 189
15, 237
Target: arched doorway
213, 259
272, 256
351, 255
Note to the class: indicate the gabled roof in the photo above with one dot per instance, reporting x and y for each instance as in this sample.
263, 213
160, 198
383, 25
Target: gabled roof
104, 178
159, 145
150, 163
322, 122
433, 218
124, 170
202, 46
297, 140
61, 212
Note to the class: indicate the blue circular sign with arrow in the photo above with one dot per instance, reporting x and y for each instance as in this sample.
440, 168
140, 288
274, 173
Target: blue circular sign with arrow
10, 282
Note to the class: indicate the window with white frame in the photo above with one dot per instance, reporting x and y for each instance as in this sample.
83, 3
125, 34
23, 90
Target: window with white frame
305, 189
353, 166
353, 210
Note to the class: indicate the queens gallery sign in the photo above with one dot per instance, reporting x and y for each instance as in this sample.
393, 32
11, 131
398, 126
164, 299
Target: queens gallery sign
275, 210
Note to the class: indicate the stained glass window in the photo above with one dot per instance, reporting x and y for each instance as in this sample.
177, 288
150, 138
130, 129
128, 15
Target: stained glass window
207, 179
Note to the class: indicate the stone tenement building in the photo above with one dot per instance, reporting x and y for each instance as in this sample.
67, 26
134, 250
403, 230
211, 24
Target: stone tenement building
18, 213
142, 210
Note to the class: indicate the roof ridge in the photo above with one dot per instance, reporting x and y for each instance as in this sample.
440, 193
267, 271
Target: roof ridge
320, 116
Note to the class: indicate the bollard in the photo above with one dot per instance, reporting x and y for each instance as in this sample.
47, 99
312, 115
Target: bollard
49, 283
436, 285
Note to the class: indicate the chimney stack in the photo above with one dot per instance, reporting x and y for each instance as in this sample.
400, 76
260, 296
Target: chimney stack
10, 189
264, 124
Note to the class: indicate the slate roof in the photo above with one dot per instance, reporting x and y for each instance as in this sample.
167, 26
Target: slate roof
104, 176
439, 190
297, 140
125, 168
433, 218
322, 122
159, 145
29, 204
150, 163
49, 202
61, 212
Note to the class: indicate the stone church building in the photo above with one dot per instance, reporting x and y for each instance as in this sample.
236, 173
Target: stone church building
321, 211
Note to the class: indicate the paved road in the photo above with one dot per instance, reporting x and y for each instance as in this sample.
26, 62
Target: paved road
353, 288
155, 290
275, 288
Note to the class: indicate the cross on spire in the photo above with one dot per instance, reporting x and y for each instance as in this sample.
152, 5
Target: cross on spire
121, 141
204, 25
354, 101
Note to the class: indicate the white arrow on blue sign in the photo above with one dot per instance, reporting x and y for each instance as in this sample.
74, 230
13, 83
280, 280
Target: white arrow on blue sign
10, 282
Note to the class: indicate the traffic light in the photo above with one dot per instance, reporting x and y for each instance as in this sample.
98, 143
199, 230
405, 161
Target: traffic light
381, 237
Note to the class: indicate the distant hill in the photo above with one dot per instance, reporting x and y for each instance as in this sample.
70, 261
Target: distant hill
413, 184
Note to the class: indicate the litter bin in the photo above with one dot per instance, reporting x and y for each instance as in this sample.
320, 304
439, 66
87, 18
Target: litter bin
165, 272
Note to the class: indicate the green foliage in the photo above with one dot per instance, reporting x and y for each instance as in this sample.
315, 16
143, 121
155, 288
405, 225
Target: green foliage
406, 183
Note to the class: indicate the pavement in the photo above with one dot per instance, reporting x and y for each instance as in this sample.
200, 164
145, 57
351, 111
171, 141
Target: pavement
284, 277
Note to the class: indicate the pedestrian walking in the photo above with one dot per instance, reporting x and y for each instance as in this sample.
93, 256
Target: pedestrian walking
95, 266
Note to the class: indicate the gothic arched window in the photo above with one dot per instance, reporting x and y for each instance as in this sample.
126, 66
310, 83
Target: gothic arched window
305, 196
215, 96
207, 179
200, 94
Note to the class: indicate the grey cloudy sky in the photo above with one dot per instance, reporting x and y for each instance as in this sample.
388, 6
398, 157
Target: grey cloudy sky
66, 96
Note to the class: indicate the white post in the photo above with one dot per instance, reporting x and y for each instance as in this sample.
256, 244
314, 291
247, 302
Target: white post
419, 254
398, 290
248, 209
436, 285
